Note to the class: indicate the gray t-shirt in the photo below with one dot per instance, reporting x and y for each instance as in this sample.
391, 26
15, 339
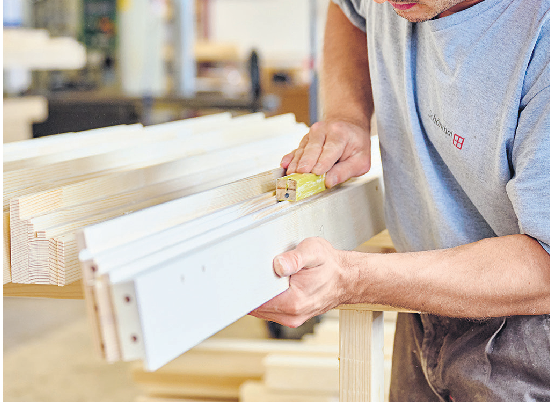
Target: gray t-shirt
463, 113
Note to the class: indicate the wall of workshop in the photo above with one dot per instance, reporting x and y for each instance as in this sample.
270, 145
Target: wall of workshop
279, 29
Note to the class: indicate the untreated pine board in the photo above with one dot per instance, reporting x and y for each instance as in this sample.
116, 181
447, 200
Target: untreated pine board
142, 155
72, 291
234, 132
131, 137
48, 146
218, 367
361, 356
45, 201
40, 259
52, 144
60, 143
257, 391
338, 215
305, 374
6, 251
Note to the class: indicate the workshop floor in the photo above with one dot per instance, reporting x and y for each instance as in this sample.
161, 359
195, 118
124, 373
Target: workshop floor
49, 355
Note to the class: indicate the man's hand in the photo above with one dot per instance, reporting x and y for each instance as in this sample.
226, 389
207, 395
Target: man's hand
340, 149
318, 283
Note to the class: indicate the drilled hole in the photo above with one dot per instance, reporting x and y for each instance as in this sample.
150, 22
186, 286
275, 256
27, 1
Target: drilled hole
134, 338
127, 299
94, 268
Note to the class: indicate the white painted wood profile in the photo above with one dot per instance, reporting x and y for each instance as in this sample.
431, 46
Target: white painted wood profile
227, 272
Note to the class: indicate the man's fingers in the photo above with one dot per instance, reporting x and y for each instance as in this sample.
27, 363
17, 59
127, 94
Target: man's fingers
287, 159
292, 165
332, 152
312, 150
355, 166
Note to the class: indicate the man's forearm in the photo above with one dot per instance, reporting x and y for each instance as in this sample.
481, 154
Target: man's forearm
494, 277
345, 80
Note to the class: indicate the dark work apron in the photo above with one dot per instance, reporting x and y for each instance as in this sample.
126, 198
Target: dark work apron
448, 359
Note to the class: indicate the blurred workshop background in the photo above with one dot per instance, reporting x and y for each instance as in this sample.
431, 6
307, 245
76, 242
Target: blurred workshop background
76, 65
73, 65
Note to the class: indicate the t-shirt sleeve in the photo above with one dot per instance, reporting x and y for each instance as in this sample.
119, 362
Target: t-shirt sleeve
529, 188
352, 10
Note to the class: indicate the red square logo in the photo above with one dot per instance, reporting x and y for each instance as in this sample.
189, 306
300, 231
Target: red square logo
458, 141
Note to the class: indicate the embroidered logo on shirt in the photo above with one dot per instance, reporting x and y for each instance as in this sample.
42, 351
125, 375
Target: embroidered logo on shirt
458, 141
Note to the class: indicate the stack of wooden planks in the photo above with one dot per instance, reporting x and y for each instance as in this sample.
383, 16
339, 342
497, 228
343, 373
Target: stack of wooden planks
54, 186
161, 280
258, 370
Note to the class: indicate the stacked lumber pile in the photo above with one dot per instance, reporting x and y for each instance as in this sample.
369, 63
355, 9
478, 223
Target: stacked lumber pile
264, 370
54, 186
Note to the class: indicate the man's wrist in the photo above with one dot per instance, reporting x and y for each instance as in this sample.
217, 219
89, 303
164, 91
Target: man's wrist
354, 277
361, 120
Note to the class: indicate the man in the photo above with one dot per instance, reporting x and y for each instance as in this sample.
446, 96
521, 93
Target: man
462, 97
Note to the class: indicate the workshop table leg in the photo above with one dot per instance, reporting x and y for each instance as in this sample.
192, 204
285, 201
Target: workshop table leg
361, 356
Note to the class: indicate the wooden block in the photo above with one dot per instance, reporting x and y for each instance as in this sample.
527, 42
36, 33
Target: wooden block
297, 186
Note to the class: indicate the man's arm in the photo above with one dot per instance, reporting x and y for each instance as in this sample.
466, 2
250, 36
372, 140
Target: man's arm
340, 144
499, 276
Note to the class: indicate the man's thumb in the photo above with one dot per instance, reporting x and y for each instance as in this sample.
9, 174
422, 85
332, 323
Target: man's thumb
283, 267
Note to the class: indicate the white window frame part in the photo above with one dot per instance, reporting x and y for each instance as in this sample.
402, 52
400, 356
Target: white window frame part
223, 273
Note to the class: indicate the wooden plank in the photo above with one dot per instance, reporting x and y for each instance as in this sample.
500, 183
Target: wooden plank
184, 280
361, 356
237, 131
133, 135
52, 144
230, 362
256, 391
6, 248
72, 291
305, 374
